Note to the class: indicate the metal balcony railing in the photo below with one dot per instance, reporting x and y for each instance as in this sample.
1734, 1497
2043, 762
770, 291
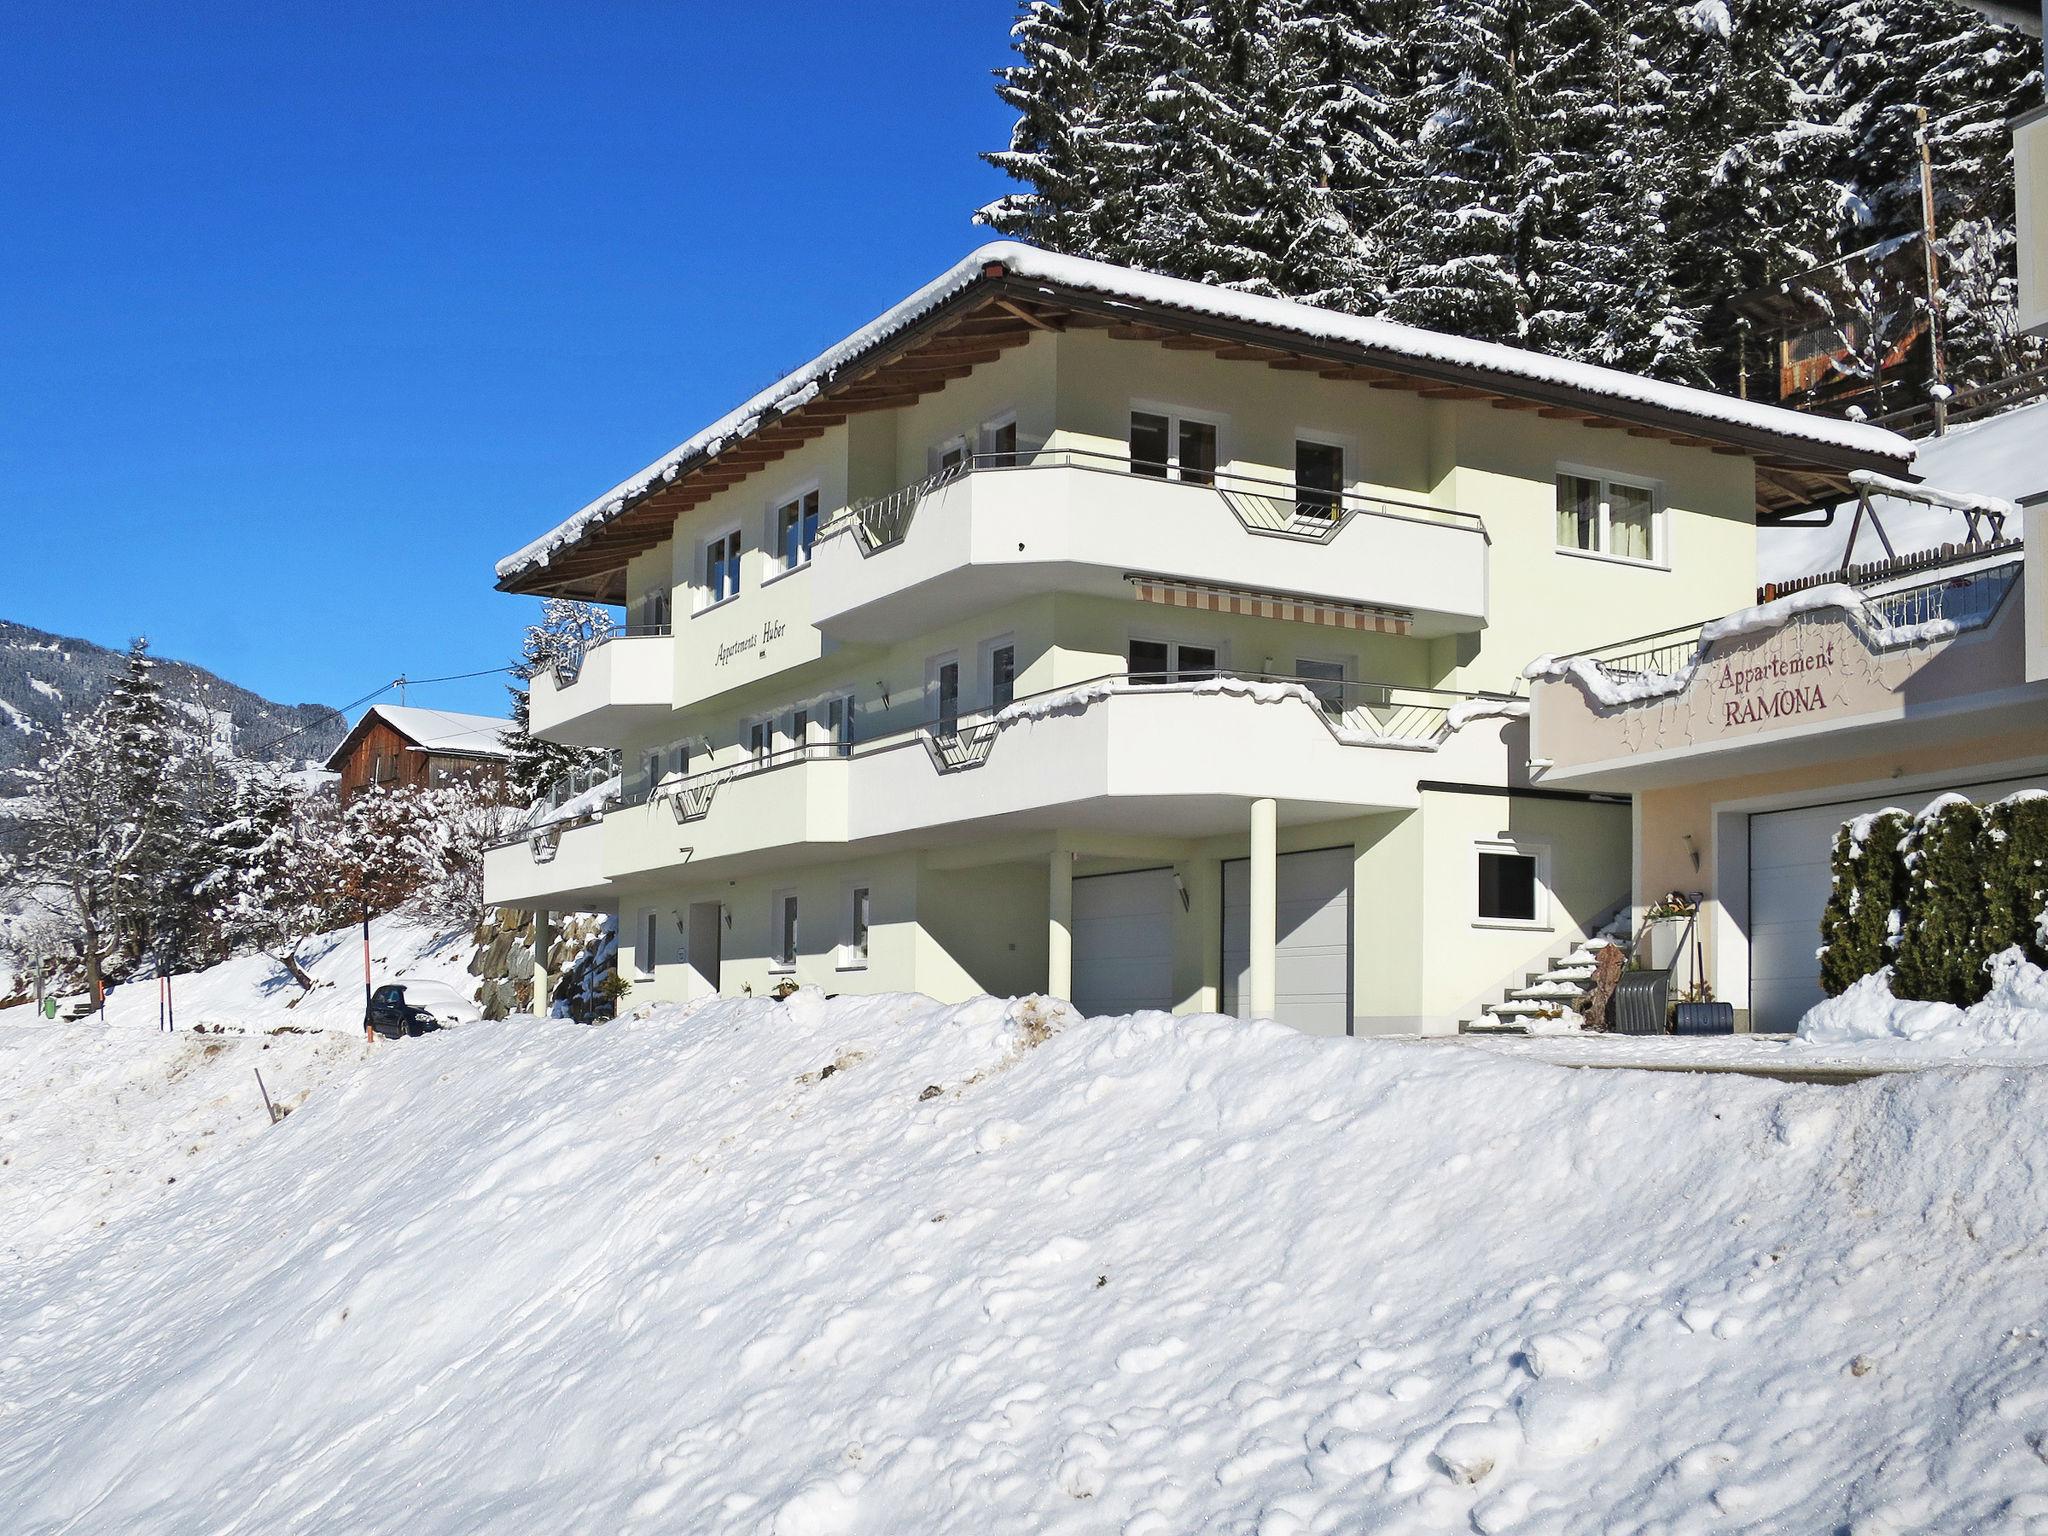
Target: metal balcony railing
1270, 507
1968, 600
573, 648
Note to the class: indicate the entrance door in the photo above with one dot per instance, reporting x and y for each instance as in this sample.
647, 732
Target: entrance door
1123, 941
1312, 962
706, 936
1790, 874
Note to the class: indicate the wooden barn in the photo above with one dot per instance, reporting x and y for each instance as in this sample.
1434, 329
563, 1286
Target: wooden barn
403, 744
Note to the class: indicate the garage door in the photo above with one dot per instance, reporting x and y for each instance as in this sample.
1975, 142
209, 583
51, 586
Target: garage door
1312, 980
1789, 876
1123, 941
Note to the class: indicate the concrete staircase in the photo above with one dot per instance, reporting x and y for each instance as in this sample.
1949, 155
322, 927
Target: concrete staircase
1548, 999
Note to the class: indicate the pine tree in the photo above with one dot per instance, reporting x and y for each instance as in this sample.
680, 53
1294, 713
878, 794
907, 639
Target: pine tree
150, 761
282, 879
1856, 927
564, 628
1065, 98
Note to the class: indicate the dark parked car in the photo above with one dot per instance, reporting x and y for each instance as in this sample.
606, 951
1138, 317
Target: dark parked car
391, 1016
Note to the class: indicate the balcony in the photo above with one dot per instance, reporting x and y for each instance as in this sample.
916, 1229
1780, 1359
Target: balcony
1000, 527
1162, 756
602, 686
559, 865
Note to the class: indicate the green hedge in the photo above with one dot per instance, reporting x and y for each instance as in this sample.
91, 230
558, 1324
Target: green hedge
1856, 935
1937, 895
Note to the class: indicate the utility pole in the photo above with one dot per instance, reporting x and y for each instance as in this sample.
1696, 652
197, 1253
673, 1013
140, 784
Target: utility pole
1940, 389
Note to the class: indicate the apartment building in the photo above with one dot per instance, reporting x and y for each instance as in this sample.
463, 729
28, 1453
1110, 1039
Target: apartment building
1073, 630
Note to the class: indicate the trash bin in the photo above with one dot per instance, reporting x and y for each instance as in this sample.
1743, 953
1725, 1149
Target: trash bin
1639, 1002
1704, 1019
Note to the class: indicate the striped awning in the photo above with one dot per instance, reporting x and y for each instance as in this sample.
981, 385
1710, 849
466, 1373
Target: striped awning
1270, 605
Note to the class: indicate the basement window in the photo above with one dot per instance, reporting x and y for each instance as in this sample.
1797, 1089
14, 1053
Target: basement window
1510, 886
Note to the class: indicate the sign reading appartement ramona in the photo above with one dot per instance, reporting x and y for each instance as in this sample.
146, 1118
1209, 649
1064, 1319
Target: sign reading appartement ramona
1770, 685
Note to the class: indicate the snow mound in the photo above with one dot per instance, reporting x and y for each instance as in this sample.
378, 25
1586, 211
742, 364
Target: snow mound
875, 1265
2011, 1023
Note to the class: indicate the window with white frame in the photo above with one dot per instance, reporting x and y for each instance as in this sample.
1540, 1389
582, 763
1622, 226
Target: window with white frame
1509, 885
799, 728
853, 953
1599, 515
796, 530
650, 766
759, 739
998, 442
949, 455
1169, 661
1318, 477
722, 568
679, 759
999, 666
1325, 679
785, 930
839, 723
1169, 445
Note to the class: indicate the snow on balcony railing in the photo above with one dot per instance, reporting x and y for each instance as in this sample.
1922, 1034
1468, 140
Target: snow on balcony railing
1659, 665
1263, 506
571, 650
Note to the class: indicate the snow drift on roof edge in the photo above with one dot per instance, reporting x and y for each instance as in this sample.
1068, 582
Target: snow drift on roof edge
800, 386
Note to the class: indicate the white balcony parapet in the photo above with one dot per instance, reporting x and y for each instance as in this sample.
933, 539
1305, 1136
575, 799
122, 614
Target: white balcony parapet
597, 685
1000, 525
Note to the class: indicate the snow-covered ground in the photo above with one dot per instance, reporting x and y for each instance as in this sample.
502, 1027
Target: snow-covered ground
880, 1266
2001, 456
253, 993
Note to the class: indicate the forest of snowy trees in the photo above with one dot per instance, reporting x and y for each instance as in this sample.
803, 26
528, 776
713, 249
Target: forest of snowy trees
1594, 178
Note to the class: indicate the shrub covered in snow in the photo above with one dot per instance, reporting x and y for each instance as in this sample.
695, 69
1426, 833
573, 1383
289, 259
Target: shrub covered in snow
1856, 929
1942, 941
2016, 856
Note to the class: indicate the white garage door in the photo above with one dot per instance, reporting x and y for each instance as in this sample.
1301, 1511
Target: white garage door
1123, 941
1312, 980
1789, 876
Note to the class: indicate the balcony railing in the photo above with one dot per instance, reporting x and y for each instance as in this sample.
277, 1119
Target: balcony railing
1968, 601
1357, 714
1276, 508
571, 649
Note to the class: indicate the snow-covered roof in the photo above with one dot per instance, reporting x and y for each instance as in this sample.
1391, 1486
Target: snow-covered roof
2002, 459
1625, 393
433, 730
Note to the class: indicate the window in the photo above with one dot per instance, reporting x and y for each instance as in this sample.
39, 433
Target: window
1002, 674
1325, 679
650, 767
943, 677
796, 530
1160, 661
839, 723
800, 728
1198, 452
999, 441
1607, 517
1318, 478
757, 741
950, 455
654, 613
1172, 445
679, 759
1149, 441
856, 952
1508, 886
722, 568
785, 930
645, 959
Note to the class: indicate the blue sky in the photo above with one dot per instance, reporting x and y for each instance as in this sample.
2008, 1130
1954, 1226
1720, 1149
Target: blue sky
312, 313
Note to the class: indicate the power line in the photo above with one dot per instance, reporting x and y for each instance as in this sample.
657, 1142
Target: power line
401, 681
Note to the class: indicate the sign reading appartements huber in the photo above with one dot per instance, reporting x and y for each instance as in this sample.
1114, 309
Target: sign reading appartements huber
758, 640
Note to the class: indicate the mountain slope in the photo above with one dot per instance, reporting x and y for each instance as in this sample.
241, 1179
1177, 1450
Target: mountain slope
878, 1266
44, 676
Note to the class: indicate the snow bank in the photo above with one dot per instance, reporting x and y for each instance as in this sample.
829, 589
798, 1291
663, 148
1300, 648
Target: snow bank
1384, 338
877, 1266
2010, 1024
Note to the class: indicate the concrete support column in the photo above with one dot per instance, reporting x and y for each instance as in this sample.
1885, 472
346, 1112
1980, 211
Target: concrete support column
543, 942
1059, 938
1264, 890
